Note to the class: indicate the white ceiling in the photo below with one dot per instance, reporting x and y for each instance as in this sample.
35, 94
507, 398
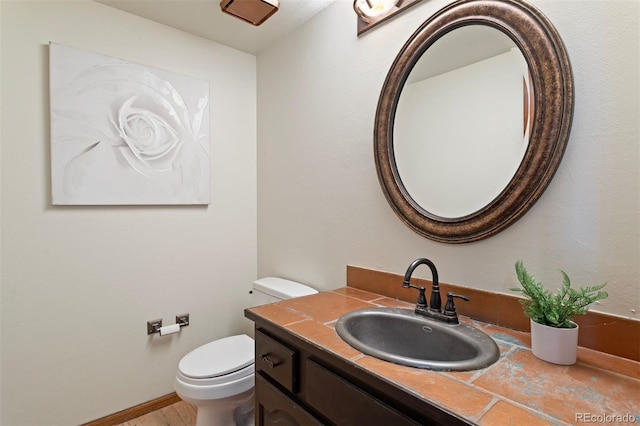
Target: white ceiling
205, 19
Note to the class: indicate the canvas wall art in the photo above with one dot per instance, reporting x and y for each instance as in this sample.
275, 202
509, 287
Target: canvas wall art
126, 134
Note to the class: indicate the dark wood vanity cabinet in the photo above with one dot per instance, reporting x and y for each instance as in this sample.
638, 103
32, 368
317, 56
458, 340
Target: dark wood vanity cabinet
298, 383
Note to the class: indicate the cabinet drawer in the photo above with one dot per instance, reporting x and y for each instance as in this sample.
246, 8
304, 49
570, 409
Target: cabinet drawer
277, 361
327, 393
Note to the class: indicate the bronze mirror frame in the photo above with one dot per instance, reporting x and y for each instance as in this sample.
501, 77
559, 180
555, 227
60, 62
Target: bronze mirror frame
552, 80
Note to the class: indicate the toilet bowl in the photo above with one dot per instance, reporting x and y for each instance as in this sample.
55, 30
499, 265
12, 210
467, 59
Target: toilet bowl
218, 377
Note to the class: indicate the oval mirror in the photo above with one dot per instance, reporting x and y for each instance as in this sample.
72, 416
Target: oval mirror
473, 119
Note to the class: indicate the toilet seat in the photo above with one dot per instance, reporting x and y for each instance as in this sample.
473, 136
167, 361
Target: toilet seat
192, 390
220, 361
219, 380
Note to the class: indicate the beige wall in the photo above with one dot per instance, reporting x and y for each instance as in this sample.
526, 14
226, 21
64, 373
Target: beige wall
320, 204
79, 283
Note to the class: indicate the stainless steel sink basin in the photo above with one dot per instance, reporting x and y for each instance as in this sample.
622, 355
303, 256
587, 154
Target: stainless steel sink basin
402, 337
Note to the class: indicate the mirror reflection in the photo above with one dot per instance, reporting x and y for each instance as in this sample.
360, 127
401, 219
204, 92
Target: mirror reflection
463, 121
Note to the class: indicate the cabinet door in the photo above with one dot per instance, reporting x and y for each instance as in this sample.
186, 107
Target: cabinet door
345, 404
273, 408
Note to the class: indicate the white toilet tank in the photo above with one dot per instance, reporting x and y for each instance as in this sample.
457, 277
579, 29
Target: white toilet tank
272, 289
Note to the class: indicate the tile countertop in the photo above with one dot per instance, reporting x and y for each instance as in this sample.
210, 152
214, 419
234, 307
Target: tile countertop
519, 389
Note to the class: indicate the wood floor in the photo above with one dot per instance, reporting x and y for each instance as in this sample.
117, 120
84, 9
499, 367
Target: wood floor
178, 414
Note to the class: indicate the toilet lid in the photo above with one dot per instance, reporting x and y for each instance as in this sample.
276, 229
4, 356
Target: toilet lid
219, 357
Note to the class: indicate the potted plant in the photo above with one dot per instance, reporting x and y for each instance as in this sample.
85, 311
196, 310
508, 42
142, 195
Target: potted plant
554, 336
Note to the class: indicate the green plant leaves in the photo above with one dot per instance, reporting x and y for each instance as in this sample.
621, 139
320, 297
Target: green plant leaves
555, 310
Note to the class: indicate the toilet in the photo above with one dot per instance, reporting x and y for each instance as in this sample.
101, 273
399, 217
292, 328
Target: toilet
218, 377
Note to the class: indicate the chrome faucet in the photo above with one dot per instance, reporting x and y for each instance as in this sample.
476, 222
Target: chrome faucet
449, 314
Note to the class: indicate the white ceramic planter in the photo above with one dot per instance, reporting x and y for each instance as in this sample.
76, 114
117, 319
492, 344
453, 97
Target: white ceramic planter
555, 345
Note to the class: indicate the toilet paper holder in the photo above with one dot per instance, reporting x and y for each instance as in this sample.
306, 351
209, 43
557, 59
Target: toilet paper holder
154, 326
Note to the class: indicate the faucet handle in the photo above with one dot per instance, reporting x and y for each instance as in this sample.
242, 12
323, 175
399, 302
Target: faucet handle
422, 299
421, 304
450, 307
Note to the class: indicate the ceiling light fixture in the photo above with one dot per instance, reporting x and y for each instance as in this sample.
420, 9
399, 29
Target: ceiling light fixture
254, 12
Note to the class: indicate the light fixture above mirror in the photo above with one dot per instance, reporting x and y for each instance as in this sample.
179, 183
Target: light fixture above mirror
373, 12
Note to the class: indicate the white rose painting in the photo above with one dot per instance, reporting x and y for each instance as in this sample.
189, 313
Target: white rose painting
125, 134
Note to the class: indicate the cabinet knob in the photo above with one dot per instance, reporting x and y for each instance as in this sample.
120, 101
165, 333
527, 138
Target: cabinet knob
270, 363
